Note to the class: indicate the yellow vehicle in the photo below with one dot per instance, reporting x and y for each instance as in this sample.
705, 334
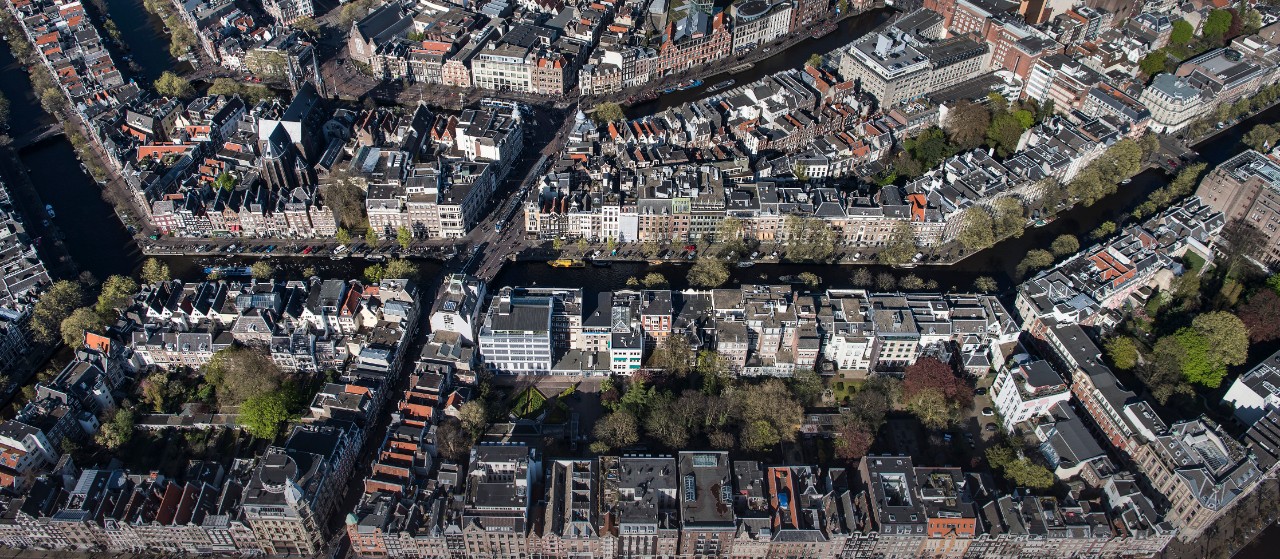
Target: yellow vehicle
566, 263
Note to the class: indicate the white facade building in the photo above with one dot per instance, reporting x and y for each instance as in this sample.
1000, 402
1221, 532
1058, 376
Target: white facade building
1023, 392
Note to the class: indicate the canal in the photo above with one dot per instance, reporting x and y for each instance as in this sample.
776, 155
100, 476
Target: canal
100, 244
144, 34
849, 30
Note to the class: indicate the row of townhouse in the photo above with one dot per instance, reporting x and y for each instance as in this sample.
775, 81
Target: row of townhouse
172, 155
23, 277
640, 180
217, 168
1086, 57
276, 503
1089, 287
303, 326
508, 500
437, 181
758, 329
1193, 470
706, 504
223, 31
645, 40
498, 46
64, 408
552, 48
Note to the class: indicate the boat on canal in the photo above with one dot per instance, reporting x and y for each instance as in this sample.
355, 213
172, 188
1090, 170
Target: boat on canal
229, 271
746, 264
566, 263
720, 85
601, 263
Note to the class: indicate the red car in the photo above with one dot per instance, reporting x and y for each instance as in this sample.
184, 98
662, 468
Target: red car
691, 248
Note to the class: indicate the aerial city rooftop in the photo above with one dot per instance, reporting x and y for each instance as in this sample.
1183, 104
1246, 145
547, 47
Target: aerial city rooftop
426, 278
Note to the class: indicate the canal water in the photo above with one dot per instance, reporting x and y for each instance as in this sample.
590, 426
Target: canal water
849, 29
148, 44
100, 244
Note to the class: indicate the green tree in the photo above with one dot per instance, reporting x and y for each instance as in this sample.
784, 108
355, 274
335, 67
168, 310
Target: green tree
117, 432
1215, 26
617, 429
759, 435
1026, 473
608, 112
815, 60
985, 284
769, 403
901, 245
976, 229
81, 320
708, 273
55, 305
170, 84
673, 355
1025, 117
928, 148
967, 124
1262, 137
1034, 260
1123, 352
404, 237
1154, 63
400, 268
1008, 216
374, 273
1004, 133
1106, 229
1182, 33
160, 392
225, 181
343, 236
155, 271
809, 279
239, 373
806, 386
116, 293
1250, 21
1227, 335
263, 414
262, 270
371, 236
1065, 245
1203, 351
474, 416
307, 25
655, 280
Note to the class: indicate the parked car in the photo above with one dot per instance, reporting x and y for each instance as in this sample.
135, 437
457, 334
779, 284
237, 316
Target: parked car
988, 412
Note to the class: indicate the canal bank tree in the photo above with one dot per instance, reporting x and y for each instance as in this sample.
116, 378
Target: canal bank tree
155, 271
708, 273
55, 305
